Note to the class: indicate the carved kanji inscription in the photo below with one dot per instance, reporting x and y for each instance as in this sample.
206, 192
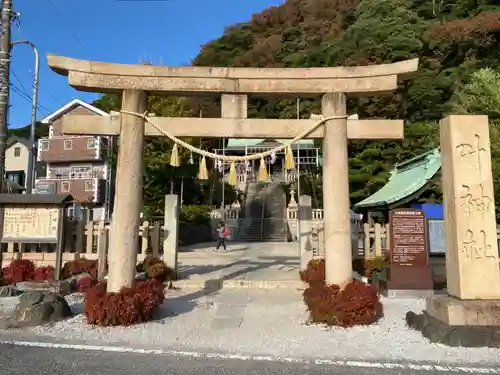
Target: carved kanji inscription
477, 250
474, 202
475, 149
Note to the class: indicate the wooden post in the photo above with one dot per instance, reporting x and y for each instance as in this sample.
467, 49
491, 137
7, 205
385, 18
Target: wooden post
102, 250
366, 241
337, 222
89, 239
306, 228
155, 239
145, 238
128, 195
79, 233
378, 239
60, 243
171, 232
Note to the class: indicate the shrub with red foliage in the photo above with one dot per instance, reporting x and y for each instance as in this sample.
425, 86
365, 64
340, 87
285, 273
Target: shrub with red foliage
44, 273
129, 306
18, 270
75, 267
85, 284
357, 304
314, 274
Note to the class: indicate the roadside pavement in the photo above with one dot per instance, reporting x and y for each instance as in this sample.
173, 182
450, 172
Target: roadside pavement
255, 324
57, 361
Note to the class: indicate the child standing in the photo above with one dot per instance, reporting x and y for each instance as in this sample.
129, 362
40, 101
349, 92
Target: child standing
222, 235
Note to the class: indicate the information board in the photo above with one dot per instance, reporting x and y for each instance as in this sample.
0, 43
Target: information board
30, 224
408, 240
436, 236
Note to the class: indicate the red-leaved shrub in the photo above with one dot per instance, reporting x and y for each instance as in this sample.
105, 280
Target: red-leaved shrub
18, 270
357, 304
85, 284
44, 273
314, 274
129, 306
75, 267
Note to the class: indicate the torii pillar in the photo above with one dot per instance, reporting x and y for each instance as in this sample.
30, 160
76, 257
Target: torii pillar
233, 84
336, 213
128, 193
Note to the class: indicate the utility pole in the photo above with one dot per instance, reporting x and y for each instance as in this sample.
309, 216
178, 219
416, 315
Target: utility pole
4, 82
34, 105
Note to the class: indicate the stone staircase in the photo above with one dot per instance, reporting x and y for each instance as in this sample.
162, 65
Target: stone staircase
263, 217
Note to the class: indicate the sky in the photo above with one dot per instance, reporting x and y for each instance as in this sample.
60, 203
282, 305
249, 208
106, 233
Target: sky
169, 32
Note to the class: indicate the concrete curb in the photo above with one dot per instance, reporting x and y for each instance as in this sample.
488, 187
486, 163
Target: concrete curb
239, 284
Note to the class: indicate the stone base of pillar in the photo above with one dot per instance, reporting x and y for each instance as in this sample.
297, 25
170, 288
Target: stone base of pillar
455, 322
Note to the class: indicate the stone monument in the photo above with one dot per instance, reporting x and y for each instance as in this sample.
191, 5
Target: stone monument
470, 314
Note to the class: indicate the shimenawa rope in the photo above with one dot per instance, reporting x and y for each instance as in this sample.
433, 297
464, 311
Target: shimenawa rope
203, 174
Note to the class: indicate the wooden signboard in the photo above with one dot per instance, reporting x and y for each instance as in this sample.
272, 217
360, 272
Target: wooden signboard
34, 218
409, 253
30, 224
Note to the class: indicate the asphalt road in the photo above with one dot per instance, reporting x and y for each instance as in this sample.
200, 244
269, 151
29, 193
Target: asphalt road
55, 361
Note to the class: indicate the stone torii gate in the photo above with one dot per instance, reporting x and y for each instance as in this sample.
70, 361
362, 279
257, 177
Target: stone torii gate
135, 82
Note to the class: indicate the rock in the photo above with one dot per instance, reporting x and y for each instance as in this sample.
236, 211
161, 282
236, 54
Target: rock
60, 287
37, 308
29, 299
9, 291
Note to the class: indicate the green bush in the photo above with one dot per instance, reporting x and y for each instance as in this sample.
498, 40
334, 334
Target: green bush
195, 215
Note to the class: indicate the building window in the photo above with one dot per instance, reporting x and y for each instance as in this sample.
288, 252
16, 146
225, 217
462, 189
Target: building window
84, 171
68, 144
65, 186
44, 145
89, 185
91, 143
62, 173
17, 152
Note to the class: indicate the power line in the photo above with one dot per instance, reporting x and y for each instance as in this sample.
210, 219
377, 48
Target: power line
61, 17
28, 98
19, 81
26, 91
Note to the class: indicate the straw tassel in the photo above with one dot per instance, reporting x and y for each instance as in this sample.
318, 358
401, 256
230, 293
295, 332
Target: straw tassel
263, 176
289, 160
231, 177
203, 173
174, 156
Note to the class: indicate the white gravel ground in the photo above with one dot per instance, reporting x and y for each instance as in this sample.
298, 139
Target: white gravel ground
268, 323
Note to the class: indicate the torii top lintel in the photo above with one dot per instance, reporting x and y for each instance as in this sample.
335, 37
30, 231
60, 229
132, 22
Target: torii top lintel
97, 76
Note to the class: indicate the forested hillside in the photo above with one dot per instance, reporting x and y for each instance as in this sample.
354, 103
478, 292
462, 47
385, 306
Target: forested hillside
452, 38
